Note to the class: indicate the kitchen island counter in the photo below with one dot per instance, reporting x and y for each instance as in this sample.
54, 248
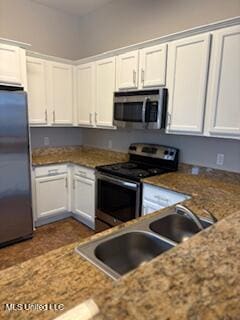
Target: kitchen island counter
198, 279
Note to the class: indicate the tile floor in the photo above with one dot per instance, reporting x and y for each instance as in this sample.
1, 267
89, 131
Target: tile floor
46, 238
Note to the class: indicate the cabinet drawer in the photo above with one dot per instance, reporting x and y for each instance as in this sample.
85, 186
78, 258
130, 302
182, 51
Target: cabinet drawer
50, 170
162, 196
84, 172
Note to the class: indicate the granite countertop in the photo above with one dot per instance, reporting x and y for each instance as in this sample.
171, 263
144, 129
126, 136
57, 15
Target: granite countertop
215, 191
198, 279
85, 156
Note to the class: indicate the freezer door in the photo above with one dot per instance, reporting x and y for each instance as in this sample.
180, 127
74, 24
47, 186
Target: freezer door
15, 189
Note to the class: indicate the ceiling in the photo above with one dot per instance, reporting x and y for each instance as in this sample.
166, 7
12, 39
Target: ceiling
76, 7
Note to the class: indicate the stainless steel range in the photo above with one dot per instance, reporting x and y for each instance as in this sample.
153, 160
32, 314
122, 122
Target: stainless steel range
119, 187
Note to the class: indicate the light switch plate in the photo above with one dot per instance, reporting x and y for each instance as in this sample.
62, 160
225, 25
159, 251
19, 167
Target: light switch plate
220, 159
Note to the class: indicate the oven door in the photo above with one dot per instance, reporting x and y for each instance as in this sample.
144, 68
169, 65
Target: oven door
118, 200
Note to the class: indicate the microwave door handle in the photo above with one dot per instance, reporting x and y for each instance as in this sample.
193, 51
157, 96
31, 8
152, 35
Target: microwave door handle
144, 110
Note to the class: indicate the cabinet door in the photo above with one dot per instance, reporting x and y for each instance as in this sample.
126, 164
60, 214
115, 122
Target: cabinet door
153, 66
51, 195
105, 86
37, 95
224, 84
127, 70
186, 82
10, 64
61, 93
84, 200
85, 78
149, 207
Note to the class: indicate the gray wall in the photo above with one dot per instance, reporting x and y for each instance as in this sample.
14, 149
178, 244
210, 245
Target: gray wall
194, 150
125, 22
57, 136
48, 31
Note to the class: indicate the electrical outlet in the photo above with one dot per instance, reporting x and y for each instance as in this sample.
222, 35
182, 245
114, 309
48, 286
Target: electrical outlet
220, 159
46, 141
110, 144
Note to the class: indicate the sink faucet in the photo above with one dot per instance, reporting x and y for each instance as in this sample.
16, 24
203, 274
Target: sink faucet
180, 209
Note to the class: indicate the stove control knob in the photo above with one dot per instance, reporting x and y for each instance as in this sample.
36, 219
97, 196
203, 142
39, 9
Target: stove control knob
133, 148
166, 152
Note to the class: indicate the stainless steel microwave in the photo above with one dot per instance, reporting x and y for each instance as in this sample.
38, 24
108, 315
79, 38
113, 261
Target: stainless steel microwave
142, 109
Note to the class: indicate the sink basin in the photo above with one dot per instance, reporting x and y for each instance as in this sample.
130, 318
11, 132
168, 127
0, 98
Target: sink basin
127, 251
176, 227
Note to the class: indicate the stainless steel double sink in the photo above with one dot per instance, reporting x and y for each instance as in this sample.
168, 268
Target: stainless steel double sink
126, 249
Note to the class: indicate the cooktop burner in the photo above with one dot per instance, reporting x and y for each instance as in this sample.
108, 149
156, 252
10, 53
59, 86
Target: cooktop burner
131, 170
145, 160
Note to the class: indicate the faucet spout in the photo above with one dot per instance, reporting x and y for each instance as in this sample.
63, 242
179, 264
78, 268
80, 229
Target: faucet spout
180, 209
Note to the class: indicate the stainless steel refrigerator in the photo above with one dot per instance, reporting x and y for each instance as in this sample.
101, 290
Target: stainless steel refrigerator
16, 222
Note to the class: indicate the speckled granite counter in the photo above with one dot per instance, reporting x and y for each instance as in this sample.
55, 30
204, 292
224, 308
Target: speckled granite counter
85, 156
198, 279
60, 276
217, 191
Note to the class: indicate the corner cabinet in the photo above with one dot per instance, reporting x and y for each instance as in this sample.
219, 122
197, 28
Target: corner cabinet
187, 75
224, 84
37, 91
12, 62
105, 87
83, 195
85, 93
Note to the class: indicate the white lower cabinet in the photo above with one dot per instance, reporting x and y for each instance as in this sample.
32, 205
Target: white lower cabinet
62, 190
51, 195
156, 198
83, 199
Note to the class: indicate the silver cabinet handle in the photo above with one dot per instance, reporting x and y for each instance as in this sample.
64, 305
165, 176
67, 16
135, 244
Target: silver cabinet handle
90, 117
54, 116
169, 116
142, 76
134, 77
73, 184
66, 183
52, 171
161, 199
82, 173
45, 115
96, 120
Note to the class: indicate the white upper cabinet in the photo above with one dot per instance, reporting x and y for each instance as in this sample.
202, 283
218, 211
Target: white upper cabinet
61, 92
127, 70
186, 81
37, 93
10, 65
224, 84
85, 88
153, 66
105, 87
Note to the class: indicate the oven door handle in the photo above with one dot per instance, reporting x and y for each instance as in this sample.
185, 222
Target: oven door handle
126, 184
